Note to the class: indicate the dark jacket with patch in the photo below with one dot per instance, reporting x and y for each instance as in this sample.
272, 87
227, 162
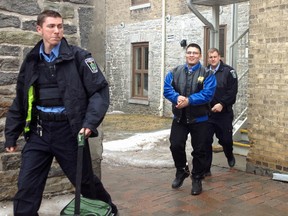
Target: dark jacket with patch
84, 91
227, 87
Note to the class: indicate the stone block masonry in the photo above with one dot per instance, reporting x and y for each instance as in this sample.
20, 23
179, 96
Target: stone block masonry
17, 36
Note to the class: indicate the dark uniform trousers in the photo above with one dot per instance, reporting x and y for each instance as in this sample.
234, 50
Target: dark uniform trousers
37, 156
220, 124
178, 137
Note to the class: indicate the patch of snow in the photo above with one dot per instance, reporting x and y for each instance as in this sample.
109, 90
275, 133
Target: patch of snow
139, 141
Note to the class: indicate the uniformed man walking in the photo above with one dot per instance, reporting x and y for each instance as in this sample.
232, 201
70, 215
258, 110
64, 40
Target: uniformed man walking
221, 116
60, 92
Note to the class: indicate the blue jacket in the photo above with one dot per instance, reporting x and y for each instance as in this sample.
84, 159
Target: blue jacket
197, 84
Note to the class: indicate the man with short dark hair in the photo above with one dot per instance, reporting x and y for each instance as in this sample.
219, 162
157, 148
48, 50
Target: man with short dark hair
60, 92
221, 116
190, 88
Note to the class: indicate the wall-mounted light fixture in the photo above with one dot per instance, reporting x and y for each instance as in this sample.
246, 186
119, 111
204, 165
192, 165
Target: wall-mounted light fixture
168, 18
183, 43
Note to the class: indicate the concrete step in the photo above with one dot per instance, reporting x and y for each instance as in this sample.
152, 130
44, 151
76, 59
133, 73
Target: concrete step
244, 134
242, 145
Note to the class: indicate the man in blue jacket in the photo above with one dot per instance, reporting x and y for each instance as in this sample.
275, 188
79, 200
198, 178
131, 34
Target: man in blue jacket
60, 92
190, 88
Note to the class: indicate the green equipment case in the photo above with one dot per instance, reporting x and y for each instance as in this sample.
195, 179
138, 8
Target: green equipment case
81, 206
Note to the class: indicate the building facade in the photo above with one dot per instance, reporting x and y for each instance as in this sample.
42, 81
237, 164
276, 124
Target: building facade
143, 43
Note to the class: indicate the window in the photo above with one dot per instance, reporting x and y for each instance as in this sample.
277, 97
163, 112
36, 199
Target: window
222, 42
140, 70
139, 2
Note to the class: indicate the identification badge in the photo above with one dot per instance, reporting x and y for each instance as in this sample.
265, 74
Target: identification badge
234, 74
90, 62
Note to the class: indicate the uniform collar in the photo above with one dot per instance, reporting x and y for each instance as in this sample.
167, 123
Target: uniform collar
193, 68
216, 69
53, 55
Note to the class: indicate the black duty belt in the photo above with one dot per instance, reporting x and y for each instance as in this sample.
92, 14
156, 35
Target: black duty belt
49, 116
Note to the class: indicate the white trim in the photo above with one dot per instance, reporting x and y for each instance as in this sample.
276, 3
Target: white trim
141, 6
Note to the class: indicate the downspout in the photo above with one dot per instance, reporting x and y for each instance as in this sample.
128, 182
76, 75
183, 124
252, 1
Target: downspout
234, 33
161, 107
204, 20
215, 19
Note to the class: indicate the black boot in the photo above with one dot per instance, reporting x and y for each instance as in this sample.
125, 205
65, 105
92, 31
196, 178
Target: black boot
181, 174
231, 161
196, 186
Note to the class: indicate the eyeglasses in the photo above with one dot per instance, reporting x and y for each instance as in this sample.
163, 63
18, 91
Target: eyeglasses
192, 53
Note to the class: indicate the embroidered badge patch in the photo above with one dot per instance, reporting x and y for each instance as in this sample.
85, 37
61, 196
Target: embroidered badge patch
200, 79
234, 74
90, 62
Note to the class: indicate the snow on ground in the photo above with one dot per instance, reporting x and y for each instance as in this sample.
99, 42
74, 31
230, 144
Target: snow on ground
139, 141
140, 150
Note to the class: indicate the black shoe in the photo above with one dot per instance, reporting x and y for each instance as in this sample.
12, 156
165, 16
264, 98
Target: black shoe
181, 174
231, 161
196, 187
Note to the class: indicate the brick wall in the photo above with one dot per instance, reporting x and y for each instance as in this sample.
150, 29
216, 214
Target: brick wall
17, 36
268, 118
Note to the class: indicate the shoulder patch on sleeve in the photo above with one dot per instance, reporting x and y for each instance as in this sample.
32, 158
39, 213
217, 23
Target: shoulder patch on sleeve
90, 62
234, 74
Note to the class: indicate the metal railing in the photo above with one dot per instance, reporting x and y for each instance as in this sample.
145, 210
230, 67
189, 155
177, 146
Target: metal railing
238, 57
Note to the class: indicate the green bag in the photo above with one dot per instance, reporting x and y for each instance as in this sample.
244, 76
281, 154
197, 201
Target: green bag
88, 207
81, 206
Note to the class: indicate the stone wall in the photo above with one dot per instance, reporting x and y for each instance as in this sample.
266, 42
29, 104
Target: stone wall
17, 36
127, 26
122, 12
268, 87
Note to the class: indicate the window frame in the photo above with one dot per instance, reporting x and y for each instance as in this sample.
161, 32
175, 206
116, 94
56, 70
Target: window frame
207, 42
142, 71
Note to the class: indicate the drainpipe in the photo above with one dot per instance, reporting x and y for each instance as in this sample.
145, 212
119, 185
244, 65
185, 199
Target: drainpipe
215, 18
204, 20
161, 111
234, 33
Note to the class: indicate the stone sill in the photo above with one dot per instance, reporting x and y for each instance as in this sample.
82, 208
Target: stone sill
138, 101
141, 6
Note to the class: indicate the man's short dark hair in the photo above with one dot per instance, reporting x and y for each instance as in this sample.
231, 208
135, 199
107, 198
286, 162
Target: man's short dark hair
47, 13
194, 45
212, 50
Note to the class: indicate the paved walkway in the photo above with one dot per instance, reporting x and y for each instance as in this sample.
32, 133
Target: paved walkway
229, 192
139, 182
147, 191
